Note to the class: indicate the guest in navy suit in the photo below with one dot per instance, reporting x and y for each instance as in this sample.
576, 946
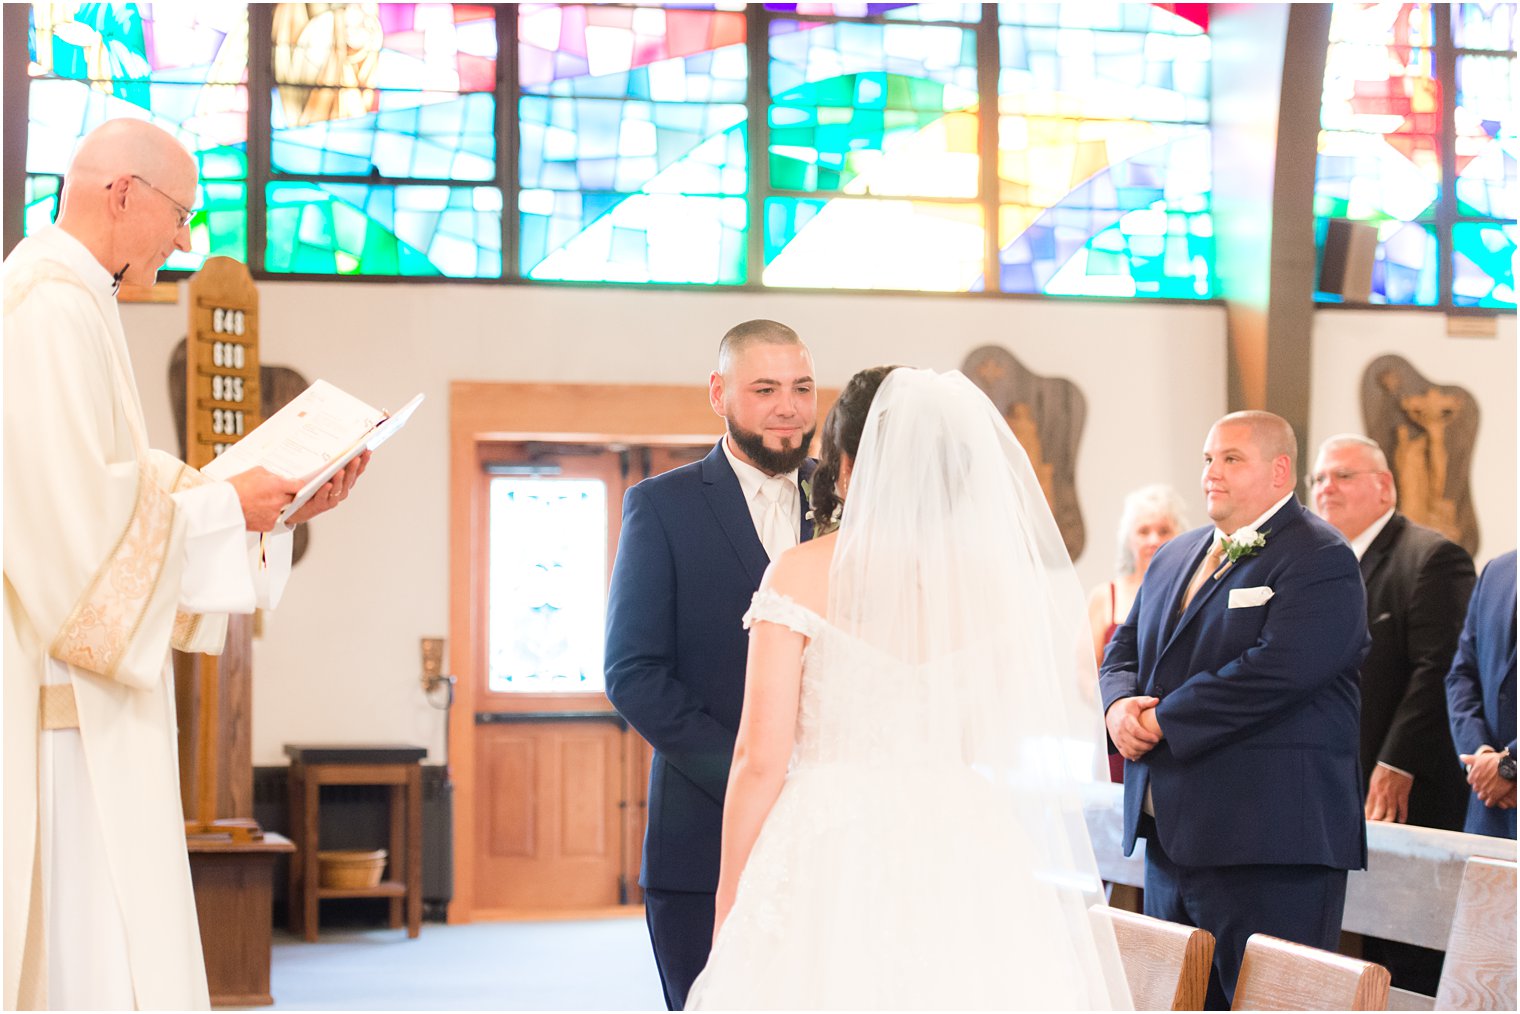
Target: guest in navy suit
1231, 690
695, 543
1480, 696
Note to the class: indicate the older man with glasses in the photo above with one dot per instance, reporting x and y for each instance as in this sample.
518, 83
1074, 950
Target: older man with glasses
1418, 584
113, 551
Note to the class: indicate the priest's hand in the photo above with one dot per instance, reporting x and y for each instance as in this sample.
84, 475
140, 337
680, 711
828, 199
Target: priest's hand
263, 495
333, 492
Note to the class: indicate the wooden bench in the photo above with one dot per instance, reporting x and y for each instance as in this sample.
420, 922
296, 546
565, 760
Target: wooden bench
1278, 975
1167, 964
1479, 973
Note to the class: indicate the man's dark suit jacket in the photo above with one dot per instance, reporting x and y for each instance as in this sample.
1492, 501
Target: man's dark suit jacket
1480, 689
1259, 704
688, 562
1417, 585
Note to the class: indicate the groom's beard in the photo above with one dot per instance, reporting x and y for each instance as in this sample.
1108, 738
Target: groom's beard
767, 460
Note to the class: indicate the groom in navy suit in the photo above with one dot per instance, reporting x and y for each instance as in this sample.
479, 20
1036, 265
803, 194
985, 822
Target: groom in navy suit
1232, 692
695, 543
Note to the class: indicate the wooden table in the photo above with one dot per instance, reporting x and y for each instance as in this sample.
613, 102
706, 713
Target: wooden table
234, 895
399, 767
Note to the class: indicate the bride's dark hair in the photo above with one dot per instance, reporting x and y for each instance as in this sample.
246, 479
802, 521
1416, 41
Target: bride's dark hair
841, 436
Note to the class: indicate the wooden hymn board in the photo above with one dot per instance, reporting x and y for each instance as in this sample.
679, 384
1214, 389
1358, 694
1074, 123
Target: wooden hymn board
214, 692
222, 357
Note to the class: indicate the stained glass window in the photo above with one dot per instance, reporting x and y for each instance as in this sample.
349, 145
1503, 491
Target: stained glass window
354, 228
1104, 150
1384, 121
181, 66
880, 121
632, 157
547, 584
400, 97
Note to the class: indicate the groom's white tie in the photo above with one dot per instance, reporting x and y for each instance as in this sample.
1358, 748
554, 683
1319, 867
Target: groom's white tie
776, 533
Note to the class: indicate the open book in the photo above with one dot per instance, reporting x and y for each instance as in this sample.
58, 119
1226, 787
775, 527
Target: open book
319, 432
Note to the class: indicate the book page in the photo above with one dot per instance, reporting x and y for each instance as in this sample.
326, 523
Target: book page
319, 425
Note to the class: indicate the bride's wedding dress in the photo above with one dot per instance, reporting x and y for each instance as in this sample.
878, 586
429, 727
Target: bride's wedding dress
928, 848
891, 872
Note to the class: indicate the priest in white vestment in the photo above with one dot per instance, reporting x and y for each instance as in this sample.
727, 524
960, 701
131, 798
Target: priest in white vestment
113, 551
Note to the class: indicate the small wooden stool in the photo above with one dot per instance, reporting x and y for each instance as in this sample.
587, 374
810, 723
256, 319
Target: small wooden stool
400, 767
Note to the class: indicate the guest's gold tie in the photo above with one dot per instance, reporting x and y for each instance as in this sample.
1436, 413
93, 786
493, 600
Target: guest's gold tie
1206, 569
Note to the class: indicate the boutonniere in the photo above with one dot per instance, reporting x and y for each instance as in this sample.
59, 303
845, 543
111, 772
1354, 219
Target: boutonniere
1240, 545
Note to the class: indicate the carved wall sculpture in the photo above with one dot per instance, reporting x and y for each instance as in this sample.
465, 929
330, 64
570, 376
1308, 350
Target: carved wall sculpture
1428, 432
1046, 415
278, 385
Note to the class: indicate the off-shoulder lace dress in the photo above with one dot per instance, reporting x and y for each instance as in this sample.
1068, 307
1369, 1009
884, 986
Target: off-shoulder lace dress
890, 873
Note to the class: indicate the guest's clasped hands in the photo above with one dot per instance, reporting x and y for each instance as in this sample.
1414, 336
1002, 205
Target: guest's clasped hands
1133, 727
1483, 776
264, 495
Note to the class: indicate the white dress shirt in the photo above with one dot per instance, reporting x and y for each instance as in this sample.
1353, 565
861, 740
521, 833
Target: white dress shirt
1369, 535
779, 538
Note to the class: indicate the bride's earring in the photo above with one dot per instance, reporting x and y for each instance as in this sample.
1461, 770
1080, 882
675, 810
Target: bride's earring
842, 486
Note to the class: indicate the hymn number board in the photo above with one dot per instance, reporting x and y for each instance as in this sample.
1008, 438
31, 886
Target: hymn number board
223, 402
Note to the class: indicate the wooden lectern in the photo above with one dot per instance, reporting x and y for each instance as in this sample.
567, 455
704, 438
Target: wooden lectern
231, 858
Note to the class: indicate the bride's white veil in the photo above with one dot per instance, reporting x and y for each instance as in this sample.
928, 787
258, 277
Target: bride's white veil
948, 559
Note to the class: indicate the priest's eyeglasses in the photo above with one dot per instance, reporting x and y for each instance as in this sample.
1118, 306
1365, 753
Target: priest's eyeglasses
184, 212
1340, 475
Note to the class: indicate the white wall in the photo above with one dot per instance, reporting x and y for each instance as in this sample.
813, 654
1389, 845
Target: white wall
1346, 341
339, 660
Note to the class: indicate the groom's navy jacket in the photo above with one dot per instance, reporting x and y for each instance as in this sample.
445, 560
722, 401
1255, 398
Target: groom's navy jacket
688, 562
1260, 703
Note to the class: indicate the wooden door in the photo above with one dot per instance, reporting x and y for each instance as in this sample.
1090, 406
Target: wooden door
549, 831
560, 780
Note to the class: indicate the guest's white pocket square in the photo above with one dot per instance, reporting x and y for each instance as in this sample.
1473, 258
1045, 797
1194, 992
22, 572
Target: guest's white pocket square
1245, 598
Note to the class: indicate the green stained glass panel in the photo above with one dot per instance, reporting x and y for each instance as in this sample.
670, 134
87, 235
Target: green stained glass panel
873, 109
355, 229
1483, 256
41, 201
180, 66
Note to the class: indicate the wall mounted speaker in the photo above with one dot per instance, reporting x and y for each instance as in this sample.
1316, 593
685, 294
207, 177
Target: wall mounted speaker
1345, 270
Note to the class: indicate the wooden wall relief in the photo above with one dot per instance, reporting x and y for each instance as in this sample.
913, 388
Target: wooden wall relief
1046, 415
1428, 432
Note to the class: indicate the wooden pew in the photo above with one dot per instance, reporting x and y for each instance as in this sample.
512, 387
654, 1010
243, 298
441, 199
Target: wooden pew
1479, 973
1167, 964
1408, 891
1278, 975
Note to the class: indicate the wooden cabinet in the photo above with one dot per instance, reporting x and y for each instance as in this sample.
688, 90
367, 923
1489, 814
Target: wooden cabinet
234, 894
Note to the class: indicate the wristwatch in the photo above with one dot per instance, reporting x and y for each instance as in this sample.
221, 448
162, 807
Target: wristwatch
1507, 766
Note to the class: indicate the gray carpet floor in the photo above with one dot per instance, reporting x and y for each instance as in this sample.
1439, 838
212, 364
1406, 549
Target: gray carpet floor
598, 964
